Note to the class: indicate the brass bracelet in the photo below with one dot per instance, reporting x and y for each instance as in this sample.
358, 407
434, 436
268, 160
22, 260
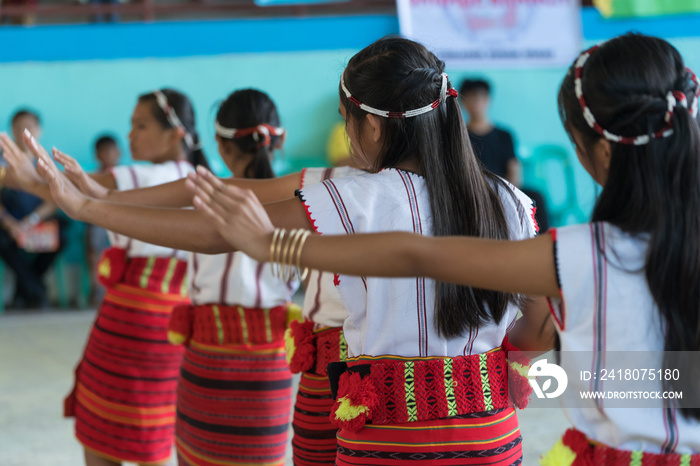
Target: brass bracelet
303, 275
3, 175
272, 250
282, 259
278, 251
294, 237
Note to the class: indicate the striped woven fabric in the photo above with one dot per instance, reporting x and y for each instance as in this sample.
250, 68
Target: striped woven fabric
124, 397
314, 442
234, 397
491, 438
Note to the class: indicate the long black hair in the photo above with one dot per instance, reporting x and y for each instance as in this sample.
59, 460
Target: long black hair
248, 108
398, 74
184, 110
653, 188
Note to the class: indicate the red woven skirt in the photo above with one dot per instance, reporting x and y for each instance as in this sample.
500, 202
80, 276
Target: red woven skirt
491, 438
235, 388
443, 411
124, 395
314, 442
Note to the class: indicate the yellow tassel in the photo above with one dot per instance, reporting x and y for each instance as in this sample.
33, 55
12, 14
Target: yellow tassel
289, 346
347, 411
519, 368
293, 313
605, 7
104, 268
176, 338
559, 455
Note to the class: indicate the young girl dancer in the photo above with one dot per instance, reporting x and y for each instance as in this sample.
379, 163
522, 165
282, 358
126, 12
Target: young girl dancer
124, 395
234, 391
200, 435
427, 180
630, 106
319, 337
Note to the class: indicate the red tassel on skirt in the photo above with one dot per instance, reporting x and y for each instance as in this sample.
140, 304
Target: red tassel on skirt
124, 396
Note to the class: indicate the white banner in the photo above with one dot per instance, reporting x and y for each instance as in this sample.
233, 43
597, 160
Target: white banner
495, 33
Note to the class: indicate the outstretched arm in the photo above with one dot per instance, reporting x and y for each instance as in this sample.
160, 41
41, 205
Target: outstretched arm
22, 174
525, 267
176, 194
173, 194
174, 228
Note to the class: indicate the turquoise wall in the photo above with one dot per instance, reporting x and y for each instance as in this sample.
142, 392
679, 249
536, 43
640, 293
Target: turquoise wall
77, 100
525, 101
84, 79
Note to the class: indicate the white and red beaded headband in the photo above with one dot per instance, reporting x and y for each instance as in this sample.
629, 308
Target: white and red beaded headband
673, 98
264, 130
172, 117
444, 93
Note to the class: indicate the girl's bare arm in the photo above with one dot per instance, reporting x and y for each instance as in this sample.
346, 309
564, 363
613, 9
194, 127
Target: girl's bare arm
174, 228
525, 267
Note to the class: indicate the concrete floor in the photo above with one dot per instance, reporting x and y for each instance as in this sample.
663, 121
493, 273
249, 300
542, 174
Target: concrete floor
38, 352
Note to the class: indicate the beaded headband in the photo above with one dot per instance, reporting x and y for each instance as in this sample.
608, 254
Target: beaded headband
264, 130
444, 93
673, 98
172, 117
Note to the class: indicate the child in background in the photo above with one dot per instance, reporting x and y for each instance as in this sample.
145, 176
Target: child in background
107, 153
628, 282
494, 145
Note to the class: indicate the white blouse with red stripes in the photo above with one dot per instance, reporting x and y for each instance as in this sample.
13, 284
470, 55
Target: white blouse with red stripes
607, 321
322, 302
395, 315
143, 176
236, 279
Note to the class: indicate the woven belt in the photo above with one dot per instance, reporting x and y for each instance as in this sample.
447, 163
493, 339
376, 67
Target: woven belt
390, 390
215, 324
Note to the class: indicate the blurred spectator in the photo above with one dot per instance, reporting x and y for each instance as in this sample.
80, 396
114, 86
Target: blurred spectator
338, 149
112, 17
493, 145
26, 19
26, 222
107, 153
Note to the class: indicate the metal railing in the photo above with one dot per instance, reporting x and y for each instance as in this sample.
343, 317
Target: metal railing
151, 10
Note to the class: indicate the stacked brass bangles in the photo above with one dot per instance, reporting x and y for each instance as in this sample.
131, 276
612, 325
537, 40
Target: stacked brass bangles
284, 248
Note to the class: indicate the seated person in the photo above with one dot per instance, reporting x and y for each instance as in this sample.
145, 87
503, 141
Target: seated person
19, 213
493, 145
107, 154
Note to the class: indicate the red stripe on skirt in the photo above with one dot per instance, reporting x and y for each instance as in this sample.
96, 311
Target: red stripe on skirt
314, 442
490, 439
233, 408
124, 398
